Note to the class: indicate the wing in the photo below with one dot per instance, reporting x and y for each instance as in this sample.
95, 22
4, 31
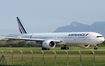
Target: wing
33, 39
5, 37
2, 37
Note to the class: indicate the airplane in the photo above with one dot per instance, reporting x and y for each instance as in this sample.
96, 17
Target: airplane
50, 40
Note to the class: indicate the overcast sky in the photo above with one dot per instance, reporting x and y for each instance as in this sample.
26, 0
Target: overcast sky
47, 15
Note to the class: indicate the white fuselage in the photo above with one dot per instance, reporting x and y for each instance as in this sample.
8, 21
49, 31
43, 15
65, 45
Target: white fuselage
68, 38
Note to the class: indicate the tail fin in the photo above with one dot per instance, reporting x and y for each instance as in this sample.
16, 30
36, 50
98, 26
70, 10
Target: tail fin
20, 26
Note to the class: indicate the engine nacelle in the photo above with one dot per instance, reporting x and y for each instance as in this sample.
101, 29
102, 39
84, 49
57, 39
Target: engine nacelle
84, 46
48, 44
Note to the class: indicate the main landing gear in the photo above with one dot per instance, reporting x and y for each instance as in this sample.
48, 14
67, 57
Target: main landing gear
45, 48
64, 48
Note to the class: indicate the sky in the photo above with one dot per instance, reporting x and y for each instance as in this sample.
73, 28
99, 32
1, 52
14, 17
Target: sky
47, 15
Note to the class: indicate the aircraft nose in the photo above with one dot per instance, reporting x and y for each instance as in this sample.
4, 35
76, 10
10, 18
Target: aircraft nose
102, 39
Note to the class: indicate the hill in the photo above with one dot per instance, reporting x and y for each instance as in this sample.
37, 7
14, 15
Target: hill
98, 27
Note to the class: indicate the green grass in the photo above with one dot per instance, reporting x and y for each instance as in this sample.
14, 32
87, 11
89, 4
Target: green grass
49, 56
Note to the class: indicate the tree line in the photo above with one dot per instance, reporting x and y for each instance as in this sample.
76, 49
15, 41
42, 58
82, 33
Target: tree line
15, 43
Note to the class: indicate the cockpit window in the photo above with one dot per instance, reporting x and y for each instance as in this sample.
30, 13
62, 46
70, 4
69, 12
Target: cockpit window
99, 36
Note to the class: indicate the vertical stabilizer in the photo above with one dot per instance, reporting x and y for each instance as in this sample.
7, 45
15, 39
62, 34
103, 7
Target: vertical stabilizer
20, 26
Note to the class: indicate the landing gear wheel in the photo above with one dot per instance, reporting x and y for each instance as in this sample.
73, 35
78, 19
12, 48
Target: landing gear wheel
64, 48
45, 48
95, 48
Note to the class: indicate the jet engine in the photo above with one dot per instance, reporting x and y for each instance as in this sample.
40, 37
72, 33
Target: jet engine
84, 46
48, 44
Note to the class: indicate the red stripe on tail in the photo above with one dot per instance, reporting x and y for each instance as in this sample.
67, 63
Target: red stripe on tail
20, 30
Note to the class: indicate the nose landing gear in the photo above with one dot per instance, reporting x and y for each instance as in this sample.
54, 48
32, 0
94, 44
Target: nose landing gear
95, 47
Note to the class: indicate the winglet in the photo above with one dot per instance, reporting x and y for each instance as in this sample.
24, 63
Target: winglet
20, 26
